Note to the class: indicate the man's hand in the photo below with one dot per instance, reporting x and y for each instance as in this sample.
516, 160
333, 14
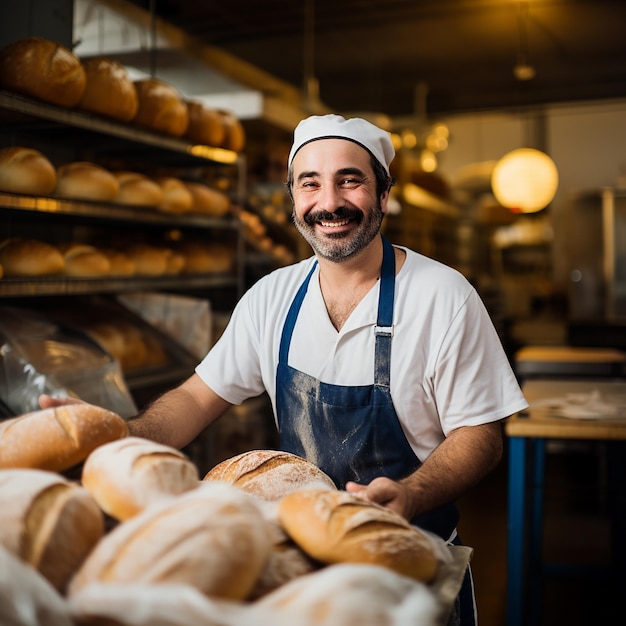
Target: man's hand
48, 402
386, 492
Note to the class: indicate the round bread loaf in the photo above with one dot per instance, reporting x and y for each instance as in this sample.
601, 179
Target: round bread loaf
25, 170
59, 438
234, 133
338, 527
48, 522
176, 197
30, 257
269, 474
367, 595
27, 598
161, 107
212, 538
128, 475
135, 189
149, 260
83, 260
121, 264
208, 201
109, 91
205, 125
82, 180
43, 69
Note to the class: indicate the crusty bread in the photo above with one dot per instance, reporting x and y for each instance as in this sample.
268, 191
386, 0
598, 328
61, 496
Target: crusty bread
234, 133
27, 598
205, 125
149, 260
269, 474
30, 257
120, 263
48, 522
136, 189
58, 438
208, 201
130, 474
336, 527
82, 180
206, 258
212, 537
44, 69
83, 260
359, 594
176, 197
175, 263
161, 107
25, 170
109, 91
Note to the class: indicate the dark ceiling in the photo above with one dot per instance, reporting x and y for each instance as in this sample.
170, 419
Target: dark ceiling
371, 55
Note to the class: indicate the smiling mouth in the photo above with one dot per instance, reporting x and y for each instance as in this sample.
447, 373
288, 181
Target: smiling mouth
334, 223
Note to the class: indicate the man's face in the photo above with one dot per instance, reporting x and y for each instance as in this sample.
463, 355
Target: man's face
336, 209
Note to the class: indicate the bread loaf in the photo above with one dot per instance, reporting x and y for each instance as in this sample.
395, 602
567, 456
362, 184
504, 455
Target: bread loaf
206, 258
208, 201
109, 91
27, 598
135, 189
176, 197
48, 522
120, 263
59, 438
130, 474
82, 180
212, 538
205, 125
83, 260
149, 260
161, 107
234, 133
175, 263
43, 69
25, 170
337, 527
30, 257
269, 474
359, 594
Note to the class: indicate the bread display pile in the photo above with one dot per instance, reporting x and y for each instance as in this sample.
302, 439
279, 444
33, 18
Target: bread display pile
176, 550
50, 72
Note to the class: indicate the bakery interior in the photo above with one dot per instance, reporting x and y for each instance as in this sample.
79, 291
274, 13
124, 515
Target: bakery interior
460, 84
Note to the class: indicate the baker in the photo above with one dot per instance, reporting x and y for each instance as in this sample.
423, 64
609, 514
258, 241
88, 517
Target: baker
382, 365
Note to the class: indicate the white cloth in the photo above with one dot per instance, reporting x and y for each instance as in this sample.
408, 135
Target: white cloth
448, 367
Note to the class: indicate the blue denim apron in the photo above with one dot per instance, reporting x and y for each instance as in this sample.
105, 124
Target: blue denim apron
353, 432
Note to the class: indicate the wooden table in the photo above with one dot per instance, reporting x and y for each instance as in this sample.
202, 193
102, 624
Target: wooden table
527, 432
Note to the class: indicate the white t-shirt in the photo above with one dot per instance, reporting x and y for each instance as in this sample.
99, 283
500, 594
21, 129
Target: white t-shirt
448, 367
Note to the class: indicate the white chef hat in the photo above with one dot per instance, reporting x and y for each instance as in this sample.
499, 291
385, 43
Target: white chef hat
375, 140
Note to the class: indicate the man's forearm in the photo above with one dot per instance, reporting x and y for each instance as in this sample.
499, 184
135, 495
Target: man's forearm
466, 456
180, 415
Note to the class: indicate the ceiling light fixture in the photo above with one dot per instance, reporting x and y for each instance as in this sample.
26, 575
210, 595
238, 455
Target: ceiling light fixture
523, 70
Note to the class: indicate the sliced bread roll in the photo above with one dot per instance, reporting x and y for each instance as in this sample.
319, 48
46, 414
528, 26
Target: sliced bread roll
213, 538
128, 475
48, 522
338, 527
58, 438
269, 474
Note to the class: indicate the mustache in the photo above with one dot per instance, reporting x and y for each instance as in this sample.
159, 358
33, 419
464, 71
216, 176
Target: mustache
341, 213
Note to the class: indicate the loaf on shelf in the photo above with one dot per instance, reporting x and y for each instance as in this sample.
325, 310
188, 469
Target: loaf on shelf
83, 180
43, 69
109, 91
136, 189
234, 133
84, 260
205, 125
208, 201
27, 171
30, 257
177, 198
161, 107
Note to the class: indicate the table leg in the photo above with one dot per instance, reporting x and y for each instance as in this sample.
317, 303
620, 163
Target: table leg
535, 567
516, 531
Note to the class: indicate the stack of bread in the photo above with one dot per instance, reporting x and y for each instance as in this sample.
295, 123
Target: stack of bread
265, 537
48, 71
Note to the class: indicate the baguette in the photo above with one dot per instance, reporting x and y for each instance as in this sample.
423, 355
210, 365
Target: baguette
338, 527
128, 475
212, 538
48, 522
269, 474
58, 438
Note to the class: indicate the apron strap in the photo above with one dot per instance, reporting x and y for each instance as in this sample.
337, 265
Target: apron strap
384, 323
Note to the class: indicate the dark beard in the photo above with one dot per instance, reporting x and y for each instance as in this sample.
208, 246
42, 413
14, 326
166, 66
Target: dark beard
340, 246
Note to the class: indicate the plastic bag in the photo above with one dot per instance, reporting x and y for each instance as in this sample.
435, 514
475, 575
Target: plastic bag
39, 356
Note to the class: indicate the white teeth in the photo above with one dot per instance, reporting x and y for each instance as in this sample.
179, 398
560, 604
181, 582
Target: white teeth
334, 224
